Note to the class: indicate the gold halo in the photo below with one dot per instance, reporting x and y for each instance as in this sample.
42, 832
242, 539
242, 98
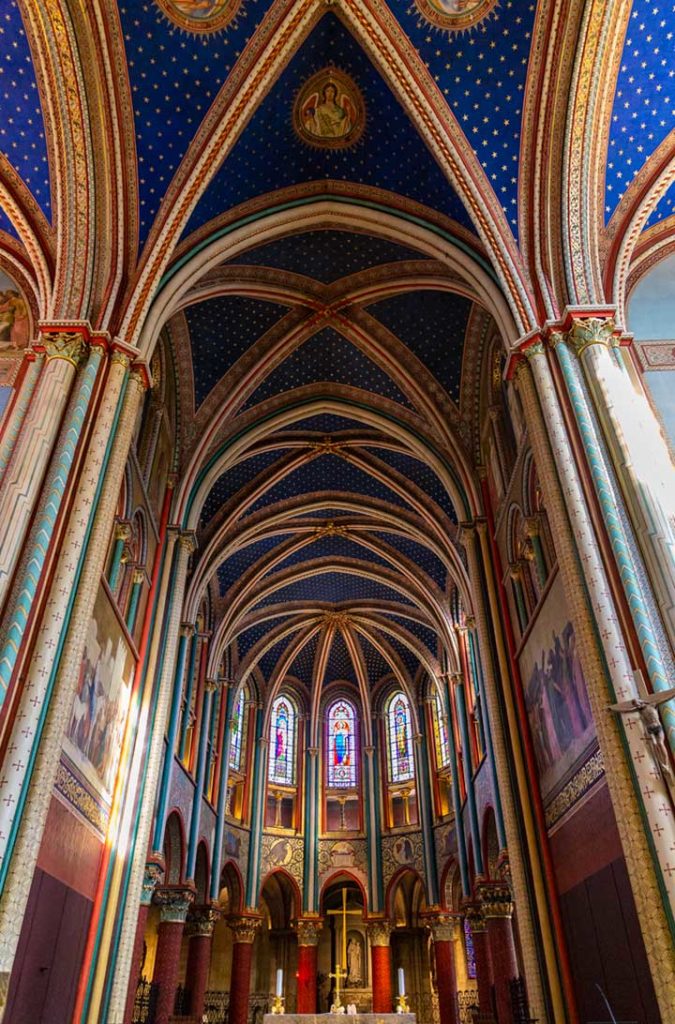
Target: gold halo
219, 14
467, 14
353, 110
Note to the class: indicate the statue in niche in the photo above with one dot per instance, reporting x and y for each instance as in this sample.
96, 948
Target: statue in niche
354, 962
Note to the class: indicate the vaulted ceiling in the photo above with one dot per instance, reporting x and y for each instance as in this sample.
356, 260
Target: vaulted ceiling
327, 306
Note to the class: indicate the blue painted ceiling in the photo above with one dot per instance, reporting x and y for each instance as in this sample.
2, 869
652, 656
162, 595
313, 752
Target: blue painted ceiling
665, 208
270, 156
22, 133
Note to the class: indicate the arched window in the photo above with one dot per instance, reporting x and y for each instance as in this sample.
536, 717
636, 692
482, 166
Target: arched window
342, 753
237, 733
399, 739
440, 731
283, 732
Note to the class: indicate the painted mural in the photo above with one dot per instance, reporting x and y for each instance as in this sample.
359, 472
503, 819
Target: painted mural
329, 111
94, 733
555, 693
200, 15
455, 15
14, 318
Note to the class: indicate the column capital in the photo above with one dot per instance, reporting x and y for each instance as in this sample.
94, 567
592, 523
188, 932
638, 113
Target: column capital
173, 901
477, 923
591, 330
379, 932
65, 340
444, 926
307, 930
154, 872
122, 529
188, 540
244, 928
495, 898
200, 920
187, 629
139, 575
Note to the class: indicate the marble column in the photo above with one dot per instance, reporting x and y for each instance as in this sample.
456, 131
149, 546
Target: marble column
244, 930
380, 963
444, 931
46, 698
174, 902
639, 799
307, 930
137, 582
481, 953
200, 936
11, 427
154, 872
497, 910
122, 535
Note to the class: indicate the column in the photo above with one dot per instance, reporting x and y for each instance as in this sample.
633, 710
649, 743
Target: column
244, 930
311, 851
444, 931
371, 788
459, 691
174, 902
65, 348
481, 952
122, 535
421, 752
154, 871
497, 910
380, 963
137, 582
307, 930
211, 687
200, 934
17, 413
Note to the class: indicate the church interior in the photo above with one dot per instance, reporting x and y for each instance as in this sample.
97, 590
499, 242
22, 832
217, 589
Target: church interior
337, 511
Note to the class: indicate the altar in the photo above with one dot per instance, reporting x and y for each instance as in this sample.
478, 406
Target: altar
327, 1018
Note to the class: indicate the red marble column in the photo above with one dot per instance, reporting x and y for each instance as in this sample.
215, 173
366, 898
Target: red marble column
497, 909
174, 902
244, 930
200, 931
308, 937
380, 959
444, 931
481, 952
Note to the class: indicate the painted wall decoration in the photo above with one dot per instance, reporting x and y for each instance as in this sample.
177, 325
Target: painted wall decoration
555, 694
14, 317
329, 111
455, 15
200, 15
285, 853
94, 733
402, 851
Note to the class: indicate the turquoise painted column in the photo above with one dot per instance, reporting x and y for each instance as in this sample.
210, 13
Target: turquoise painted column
26, 583
186, 631
477, 670
210, 688
197, 640
122, 535
532, 528
257, 812
17, 415
312, 811
230, 691
371, 789
462, 721
457, 800
134, 598
424, 803
660, 673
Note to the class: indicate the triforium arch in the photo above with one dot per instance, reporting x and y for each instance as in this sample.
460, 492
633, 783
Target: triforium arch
337, 588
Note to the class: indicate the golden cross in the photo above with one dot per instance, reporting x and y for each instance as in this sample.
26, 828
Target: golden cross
341, 968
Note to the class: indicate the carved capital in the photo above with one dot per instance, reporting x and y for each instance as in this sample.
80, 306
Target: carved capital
201, 920
119, 358
173, 901
475, 918
307, 930
496, 899
443, 927
187, 629
152, 876
591, 331
123, 530
187, 540
139, 576
65, 344
535, 348
244, 929
379, 932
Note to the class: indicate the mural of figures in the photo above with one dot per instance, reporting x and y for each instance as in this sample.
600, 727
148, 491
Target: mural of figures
329, 110
200, 15
455, 15
555, 693
94, 733
14, 319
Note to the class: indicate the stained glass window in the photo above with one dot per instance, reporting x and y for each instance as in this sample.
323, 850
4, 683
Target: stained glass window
237, 733
342, 753
470, 953
401, 764
441, 732
282, 742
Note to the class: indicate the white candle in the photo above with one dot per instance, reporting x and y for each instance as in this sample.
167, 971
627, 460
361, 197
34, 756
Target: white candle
401, 982
280, 982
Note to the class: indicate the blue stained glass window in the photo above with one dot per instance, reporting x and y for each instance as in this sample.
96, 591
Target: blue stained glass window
470, 954
283, 729
401, 764
342, 753
237, 733
441, 732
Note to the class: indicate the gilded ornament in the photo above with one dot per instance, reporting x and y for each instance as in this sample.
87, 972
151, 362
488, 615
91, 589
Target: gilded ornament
173, 901
307, 930
591, 331
455, 15
200, 16
245, 929
379, 932
68, 345
329, 112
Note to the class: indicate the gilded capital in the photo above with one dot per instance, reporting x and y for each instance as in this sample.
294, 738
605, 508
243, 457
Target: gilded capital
201, 920
173, 901
123, 530
152, 876
443, 927
379, 932
496, 899
307, 930
65, 344
535, 348
244, 929
591, 331
188, 540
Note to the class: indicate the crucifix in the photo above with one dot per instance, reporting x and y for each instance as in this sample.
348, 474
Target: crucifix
340, 973
646, 706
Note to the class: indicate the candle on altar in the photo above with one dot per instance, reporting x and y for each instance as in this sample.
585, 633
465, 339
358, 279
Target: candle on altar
401, 982
280, 982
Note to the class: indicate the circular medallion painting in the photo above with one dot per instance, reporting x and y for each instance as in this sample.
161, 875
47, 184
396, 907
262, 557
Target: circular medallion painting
329, 111
200, 15
454, 15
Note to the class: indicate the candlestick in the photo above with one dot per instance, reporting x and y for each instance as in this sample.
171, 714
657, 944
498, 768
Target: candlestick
280, 982
401, 982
